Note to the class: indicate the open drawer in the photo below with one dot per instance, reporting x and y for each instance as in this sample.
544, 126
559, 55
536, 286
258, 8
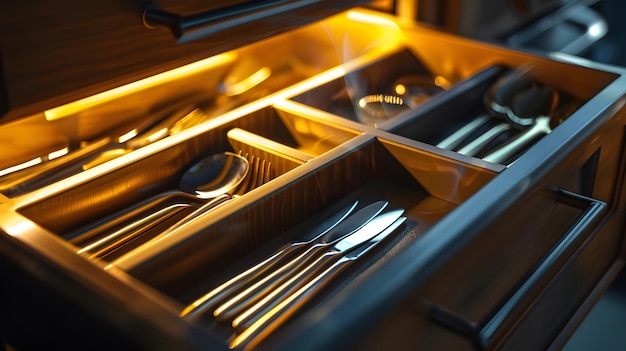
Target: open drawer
471, 233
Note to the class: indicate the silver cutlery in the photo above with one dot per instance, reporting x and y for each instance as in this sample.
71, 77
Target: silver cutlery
265, 320
454, 139
210, 178
262, 297
278, 264
259, 174
156, 126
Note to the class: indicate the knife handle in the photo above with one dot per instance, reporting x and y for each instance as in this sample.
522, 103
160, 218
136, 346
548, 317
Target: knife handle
238, 282
245, 318
269, 321
232, 306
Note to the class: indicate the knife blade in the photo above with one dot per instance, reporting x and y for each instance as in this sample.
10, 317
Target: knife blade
240, 302
257, 323
339, 226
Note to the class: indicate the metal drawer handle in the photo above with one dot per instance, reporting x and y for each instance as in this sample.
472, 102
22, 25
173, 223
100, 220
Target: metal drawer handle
586, 222
196, 26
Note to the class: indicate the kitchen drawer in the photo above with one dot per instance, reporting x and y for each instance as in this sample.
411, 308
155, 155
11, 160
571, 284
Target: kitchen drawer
548, 314
524, 239
475, 233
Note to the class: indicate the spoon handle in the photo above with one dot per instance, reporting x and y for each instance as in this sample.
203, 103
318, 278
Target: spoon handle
245, 318
255, 324
211, 299
211, 205
264, 287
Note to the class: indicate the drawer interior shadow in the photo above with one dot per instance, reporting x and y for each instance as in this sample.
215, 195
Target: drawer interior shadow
464, 120
400, 77
378, 170
114, 199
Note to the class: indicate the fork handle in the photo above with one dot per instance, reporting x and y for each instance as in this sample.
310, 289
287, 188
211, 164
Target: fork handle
264, 286
271, 320
275, 281
211, 205
245, 318
238, 282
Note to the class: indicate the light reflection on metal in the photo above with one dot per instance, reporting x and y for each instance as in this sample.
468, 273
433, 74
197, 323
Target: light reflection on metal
21, 166
371, 19
596, 31
159, 134
19, 228
109, 95
124, 138
400, 89
249, 82
58, 153
442, 82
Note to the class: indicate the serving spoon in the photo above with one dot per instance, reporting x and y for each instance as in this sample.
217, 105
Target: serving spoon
212, 178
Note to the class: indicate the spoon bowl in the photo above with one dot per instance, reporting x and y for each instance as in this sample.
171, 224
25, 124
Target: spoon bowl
214, 175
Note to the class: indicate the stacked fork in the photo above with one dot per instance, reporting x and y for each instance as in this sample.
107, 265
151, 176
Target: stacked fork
264, 296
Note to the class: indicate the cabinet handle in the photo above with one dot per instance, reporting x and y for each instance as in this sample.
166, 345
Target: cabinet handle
591, 214
196, 26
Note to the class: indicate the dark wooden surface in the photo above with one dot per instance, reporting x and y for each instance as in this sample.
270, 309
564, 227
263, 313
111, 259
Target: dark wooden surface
55, 52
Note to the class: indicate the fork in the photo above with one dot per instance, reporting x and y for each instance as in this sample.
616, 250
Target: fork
260, 174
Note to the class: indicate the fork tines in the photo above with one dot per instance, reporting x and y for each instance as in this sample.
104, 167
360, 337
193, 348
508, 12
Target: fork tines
260, 173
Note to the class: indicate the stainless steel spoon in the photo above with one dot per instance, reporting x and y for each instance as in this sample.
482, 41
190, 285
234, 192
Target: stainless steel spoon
211, 178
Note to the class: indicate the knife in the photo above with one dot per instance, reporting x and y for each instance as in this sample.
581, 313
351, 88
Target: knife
335, 229
257, 324
234, 304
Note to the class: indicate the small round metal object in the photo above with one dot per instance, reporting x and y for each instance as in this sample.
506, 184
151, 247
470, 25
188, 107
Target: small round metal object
373, 109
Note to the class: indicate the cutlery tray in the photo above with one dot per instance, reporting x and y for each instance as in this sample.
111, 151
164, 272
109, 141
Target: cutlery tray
323, 156
377, 170
110, 191
443, 109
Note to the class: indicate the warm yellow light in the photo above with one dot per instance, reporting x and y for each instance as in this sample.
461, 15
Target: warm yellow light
126, 137
19, 228
371, 19
159, 134
21, 166
249, 82
79, 105
58, 153
400, 89
442, 82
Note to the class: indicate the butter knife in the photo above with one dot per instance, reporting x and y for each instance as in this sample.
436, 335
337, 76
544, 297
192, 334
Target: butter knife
264, 321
